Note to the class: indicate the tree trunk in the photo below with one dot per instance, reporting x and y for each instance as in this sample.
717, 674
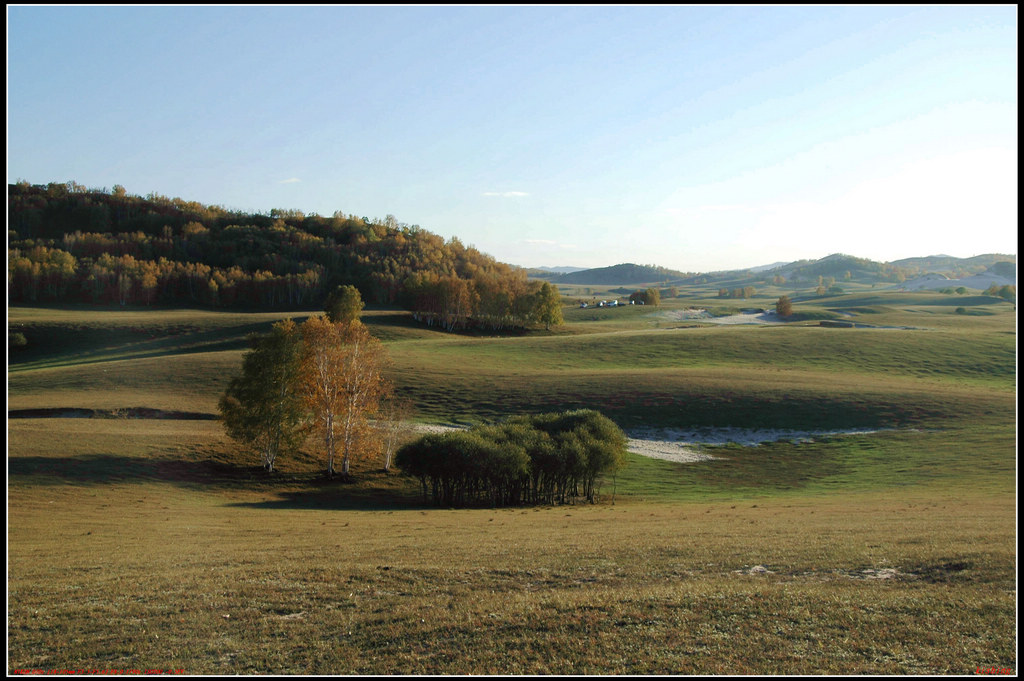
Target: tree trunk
330, 445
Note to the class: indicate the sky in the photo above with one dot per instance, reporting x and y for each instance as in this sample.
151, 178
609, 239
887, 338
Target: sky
698, 138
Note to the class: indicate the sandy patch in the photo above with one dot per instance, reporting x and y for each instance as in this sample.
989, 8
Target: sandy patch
667, 450
748, 318
699, 315
690, 314
432, 428
686, 446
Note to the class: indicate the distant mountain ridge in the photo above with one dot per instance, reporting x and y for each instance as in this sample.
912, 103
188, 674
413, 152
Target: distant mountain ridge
837, 265
618, 275
768, 268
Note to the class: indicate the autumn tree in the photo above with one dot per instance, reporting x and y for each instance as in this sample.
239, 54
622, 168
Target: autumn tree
344, 304
261, 407
548, 306
784, 306
652, 296
342, 383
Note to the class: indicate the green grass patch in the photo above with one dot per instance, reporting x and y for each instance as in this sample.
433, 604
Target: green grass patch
980, 459
855, 353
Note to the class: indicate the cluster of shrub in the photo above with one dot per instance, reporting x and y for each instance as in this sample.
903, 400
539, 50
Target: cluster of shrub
1005, 291
539, 459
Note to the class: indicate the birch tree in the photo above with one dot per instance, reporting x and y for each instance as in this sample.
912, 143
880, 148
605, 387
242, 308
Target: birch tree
392, 427
342, 384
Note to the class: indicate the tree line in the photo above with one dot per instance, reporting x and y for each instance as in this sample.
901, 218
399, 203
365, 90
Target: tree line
744, 292
546, 458
649, 296
69, 243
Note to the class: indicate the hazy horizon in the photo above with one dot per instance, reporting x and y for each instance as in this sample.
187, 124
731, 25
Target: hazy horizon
779, 263
693, 138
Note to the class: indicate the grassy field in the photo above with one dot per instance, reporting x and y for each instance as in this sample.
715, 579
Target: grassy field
159, 544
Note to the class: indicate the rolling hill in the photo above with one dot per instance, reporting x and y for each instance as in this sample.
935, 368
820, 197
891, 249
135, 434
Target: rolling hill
998, 267
617, 275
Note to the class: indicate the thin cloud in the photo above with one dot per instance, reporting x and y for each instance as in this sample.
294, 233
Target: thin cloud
506, 194
290, 180
547, 243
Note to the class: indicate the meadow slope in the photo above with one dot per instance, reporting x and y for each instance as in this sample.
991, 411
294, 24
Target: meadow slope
139, 543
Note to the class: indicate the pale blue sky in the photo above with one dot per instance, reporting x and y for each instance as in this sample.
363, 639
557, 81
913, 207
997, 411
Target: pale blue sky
696, 138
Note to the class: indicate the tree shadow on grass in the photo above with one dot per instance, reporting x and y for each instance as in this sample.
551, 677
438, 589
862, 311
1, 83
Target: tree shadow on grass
294, 490
339, 497
68, 344
95, 469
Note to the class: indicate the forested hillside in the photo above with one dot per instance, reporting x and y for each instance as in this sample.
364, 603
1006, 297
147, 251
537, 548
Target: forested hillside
619, 275
955, 268
69, 243
845, 267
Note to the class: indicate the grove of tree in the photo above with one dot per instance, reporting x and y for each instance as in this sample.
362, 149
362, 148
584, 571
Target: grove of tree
341, 379
322, 378
745, 292
540, 459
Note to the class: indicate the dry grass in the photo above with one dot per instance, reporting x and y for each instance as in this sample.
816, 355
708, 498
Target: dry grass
140, 544
200, 574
